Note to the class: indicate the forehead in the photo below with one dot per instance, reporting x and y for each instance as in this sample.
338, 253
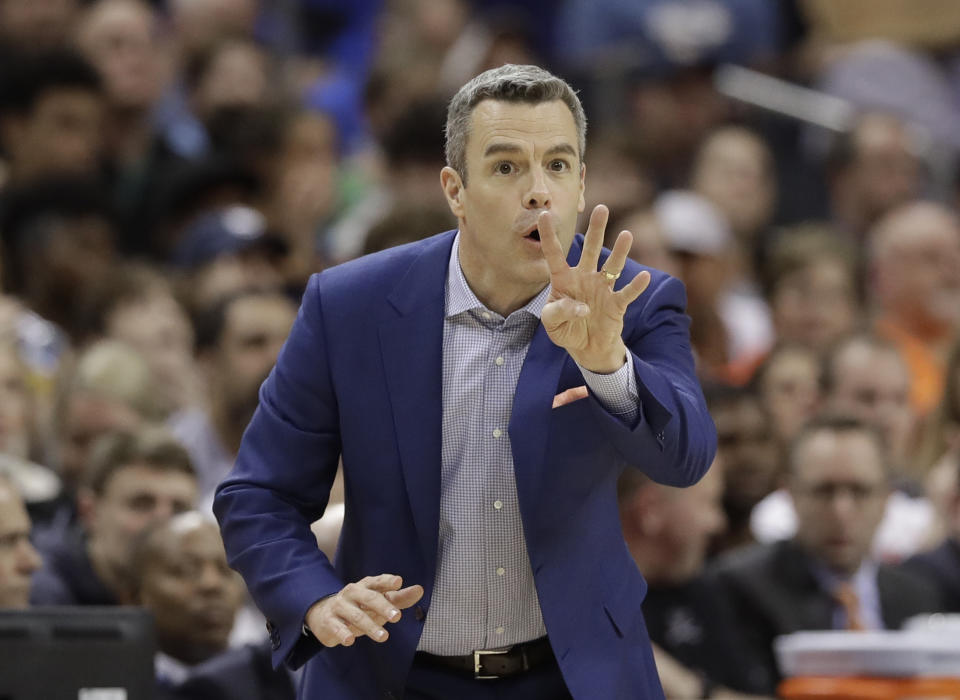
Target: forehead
860, 363
13, 516
541, 125
142, 478
847, 455
197, 542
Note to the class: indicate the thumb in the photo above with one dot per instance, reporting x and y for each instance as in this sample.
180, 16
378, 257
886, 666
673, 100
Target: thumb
405, 597
562, 311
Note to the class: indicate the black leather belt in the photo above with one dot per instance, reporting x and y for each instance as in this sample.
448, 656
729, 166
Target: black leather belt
495, 663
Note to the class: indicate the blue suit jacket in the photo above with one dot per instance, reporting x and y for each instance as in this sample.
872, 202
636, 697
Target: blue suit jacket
360, 377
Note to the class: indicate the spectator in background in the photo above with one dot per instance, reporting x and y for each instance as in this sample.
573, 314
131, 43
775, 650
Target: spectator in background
748, 450
225, 251
718, 297
810, 283
618, 179
51, 116
824, 578
36, 25
109, 389
238, 341
179, 572
941, 564
413, 153
914, 287
667, 531
734, 170
58, 249
234, 72
788, 383
139, 309
871, 170
122, 39
18, 559
134, 478
865, 377
21, 436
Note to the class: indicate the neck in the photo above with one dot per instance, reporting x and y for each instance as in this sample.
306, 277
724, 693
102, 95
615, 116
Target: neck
129, 136
108, 574
228, 426
492, 292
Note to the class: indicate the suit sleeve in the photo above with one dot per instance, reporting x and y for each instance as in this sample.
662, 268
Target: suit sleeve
281, 483
673, 413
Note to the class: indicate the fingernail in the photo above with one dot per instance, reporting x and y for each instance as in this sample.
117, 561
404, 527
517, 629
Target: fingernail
380, 634
582, 310
394, 614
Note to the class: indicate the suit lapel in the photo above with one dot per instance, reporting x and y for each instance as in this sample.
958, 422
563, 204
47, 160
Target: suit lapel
533, 405
412, 349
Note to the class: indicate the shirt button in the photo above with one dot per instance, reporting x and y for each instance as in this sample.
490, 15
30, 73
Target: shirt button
497, 432
498, 504
499, 630
486, 315
501, 571
499, 361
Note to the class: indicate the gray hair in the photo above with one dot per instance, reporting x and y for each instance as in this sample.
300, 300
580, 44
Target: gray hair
509, 83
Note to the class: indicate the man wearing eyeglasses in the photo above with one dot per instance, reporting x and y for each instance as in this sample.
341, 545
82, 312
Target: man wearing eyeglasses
824, 577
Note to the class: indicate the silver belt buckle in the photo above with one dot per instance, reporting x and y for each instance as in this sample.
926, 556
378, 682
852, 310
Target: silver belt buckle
477, 655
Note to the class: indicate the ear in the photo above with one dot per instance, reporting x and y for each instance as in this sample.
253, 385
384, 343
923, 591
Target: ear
582, 202
453, 188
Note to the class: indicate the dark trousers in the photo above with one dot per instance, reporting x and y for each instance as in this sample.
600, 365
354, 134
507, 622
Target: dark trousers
427, 682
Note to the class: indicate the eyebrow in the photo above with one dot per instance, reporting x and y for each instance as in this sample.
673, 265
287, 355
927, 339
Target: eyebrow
495, 148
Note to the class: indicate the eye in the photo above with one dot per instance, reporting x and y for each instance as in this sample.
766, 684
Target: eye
504, 168
559, 166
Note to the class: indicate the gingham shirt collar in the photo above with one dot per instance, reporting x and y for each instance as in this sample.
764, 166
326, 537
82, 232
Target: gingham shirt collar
460, 298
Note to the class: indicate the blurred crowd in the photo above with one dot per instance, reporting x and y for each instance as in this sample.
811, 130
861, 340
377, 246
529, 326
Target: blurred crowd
171, 173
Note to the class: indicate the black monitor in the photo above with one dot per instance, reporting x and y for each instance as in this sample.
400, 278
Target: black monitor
77, 653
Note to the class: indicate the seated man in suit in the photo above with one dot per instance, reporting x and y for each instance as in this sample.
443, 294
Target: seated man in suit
941, 565
824, 578
179, 572
18, 558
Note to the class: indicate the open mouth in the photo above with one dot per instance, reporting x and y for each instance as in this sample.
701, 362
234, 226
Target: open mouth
534, 235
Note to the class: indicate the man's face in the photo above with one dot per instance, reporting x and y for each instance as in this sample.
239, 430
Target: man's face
133, 497
873, 385
87, 417
815, 305
192, 592
748, 450
733, 172
18, 558
839, 491
521, 160
62, 134
255, 329
921, 272
118, 38
36, 24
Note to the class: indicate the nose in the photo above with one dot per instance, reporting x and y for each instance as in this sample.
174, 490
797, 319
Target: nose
538, 194
211, 579
29, 559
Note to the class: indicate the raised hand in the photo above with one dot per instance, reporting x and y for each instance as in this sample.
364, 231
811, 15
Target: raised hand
584, 314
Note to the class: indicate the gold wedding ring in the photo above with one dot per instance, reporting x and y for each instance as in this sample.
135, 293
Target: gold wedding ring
611, 276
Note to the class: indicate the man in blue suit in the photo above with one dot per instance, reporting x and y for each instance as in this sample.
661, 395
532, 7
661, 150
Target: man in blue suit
484, 389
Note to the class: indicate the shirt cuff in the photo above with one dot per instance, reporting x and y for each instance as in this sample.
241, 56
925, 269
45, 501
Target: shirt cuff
616, 392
